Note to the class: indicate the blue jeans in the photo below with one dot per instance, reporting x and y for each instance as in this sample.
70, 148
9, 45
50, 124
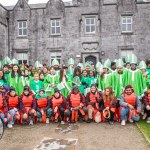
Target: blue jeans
125, 113
12, 114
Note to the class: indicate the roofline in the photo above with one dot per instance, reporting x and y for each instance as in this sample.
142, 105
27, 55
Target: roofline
3, 7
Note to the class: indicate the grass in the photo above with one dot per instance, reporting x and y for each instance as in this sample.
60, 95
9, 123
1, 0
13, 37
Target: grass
145, 128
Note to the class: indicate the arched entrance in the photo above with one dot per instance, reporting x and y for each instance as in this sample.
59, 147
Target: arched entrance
91, 59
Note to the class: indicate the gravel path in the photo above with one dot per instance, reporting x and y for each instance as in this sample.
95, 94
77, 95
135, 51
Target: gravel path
88, 137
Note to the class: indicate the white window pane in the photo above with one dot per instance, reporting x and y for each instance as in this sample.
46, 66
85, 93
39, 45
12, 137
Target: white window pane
53, 30
25, 32
24, 24
88, 29
20, 31
129, 28
57, 23
20, 24
124, 27
123, 20
57, 29
92, 21
92, 28
87, 20
53, 23
128, 19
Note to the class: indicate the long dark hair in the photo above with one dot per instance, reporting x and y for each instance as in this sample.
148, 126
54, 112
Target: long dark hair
61, 75
111, 95
3, 77
77, 69
13, 73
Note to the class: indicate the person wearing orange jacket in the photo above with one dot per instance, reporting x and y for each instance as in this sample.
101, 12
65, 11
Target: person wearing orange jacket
130, 106
109, 108
3, 105
76, 104
94, 101
58, 105
43, 110
28, 106
13, 104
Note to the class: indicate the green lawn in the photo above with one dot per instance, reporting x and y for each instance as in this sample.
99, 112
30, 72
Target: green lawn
145, 128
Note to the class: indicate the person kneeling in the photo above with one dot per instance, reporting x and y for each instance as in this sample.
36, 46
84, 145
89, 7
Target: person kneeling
28, 106
76, 104
58, 105
130, 106
43, 107
109, 105
94, 102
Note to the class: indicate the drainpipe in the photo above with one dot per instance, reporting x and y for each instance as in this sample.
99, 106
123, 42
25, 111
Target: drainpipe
9, 55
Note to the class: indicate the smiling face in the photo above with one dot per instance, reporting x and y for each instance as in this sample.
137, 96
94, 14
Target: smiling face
128, 91
120, 69
107, 92
93, 89
52, 71
26, 92
56, 94
15, 68
12, 93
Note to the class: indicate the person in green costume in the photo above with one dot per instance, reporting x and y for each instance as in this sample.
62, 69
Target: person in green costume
2, 78
113, 67
65, 82
15, 80
84, 81
117, 79
50, 82
56, 64
42, 76
104, 78
135, 78
92, 79
70, 72
6, 72
36, 84
148, 67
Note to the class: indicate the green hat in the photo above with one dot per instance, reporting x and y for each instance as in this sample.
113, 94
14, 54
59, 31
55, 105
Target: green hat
133, 59
98, 64
37, 64
107, 64
142, 65
70, 70
6, 60
71, 61
87, 64
100, 68
81, 65
119, 63
55, 62
127, 58
14, 61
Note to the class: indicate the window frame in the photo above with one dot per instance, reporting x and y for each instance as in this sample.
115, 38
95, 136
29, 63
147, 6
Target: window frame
54, 55
126, 23
22, 28
51, 22
90, 25
22, 57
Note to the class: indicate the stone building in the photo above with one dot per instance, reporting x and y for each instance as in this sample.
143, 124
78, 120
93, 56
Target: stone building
87, 30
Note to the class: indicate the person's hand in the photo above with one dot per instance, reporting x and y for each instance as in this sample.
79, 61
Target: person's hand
56, 109
42, 112
107, 108
148, 107
15, 109
131, 107
5, 120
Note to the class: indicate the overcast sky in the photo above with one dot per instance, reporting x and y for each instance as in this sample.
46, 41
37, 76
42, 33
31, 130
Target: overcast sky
13, 2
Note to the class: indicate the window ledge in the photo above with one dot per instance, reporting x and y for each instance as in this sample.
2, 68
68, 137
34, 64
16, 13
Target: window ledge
22, 37
127, 33
53, 35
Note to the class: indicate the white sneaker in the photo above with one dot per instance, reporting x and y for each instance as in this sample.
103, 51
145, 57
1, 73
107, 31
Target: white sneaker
148, 120
40, 119
9, 126
31, 122
62, 122
130, 120
47, 120
123, 122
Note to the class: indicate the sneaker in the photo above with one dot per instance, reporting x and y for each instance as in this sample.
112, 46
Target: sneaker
47, 120
56, 121
148, 120
123, 122
9, 126
31, 122
62, 122
111, 122
130, 120
89, 120
40, 119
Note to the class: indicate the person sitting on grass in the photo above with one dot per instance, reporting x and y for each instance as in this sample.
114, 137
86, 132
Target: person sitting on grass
130, 106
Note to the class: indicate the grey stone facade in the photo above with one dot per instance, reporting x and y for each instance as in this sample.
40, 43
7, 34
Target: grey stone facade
107, 42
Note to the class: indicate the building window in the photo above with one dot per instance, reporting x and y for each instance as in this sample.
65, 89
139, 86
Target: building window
55, 55
90, 25
125, 52
126, 24
22, 58
55, 27
22, 28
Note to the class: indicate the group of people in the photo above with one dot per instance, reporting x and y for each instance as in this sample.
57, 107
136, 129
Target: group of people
116, 90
